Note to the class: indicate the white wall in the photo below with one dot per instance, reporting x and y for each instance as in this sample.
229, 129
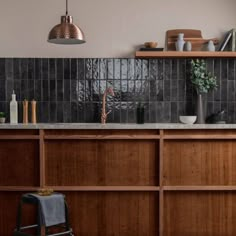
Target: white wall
113, 28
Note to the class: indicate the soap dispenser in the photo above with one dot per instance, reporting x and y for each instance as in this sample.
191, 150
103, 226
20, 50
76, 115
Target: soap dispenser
13, 109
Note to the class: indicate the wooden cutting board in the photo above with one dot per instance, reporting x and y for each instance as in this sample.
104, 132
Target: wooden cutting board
192, 35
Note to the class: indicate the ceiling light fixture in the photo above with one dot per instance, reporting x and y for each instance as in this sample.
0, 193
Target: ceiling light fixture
66, 32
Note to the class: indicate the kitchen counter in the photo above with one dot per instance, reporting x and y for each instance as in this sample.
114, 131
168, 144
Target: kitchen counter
146, 170
116, 126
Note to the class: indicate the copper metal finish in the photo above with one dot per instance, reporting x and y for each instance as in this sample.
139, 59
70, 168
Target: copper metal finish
66, 32
108, 91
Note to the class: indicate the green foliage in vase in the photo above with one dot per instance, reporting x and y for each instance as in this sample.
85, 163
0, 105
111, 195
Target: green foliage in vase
2, 115
202, 80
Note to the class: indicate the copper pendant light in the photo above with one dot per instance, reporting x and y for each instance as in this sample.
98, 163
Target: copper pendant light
66, 32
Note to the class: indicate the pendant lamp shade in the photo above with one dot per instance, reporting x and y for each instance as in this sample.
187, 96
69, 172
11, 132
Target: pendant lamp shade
66, 32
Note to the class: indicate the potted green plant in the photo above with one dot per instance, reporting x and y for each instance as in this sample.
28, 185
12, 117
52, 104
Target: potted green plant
203, 82
2, 117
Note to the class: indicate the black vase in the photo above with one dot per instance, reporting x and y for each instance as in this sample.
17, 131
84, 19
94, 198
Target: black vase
140, 115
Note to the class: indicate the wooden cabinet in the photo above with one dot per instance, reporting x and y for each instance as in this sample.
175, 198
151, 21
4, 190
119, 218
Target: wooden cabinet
125, 182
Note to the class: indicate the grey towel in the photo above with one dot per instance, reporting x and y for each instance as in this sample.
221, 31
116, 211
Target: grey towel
52, 208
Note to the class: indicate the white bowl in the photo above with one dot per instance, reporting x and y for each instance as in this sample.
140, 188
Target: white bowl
187, 119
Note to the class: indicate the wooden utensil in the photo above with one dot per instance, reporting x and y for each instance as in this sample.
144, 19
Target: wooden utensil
191, 35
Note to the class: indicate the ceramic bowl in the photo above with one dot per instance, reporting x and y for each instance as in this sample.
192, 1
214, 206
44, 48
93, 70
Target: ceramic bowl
150, 44
188, 119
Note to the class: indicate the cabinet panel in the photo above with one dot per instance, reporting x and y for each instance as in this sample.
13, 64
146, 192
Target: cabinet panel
8, 212
101, 162
199, 162
19, 163
199, 214
113, 213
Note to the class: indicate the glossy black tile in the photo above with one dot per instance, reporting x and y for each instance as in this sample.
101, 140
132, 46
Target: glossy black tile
71, 89
74, 90
95, 69
67, 88
223, 90
24, 68
81, 112
175, 69
132, 116
117, 69
181, 90
160, 112
103, 70
31, 69
59, 69
2, 90
231, 69
52, 112
152, 112
66, 112
224, 69
124, 69
88, 68
174, 112
2, 69
38, 90
153, 70
81, 69
74, 112
174, 90
31, 89
60, 90
44, 68
167, 90
124, 112
52, 69
66, 68
45, 90
60, 113
110, 69
24, 90
138, 69
16, 69
130, 69
74, 69
230, 92
9, 66
37, 64
44, 112
52, 91
9, 89
182, 69
231, 112
145, 70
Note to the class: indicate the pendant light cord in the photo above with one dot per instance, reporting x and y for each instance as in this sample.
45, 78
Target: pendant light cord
66, 7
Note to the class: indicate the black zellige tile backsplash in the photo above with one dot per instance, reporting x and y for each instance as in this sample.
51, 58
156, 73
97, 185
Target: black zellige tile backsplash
70, 90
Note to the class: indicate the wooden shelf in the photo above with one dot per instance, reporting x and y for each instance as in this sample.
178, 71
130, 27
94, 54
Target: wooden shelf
105, 188
199, 188
175, 54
